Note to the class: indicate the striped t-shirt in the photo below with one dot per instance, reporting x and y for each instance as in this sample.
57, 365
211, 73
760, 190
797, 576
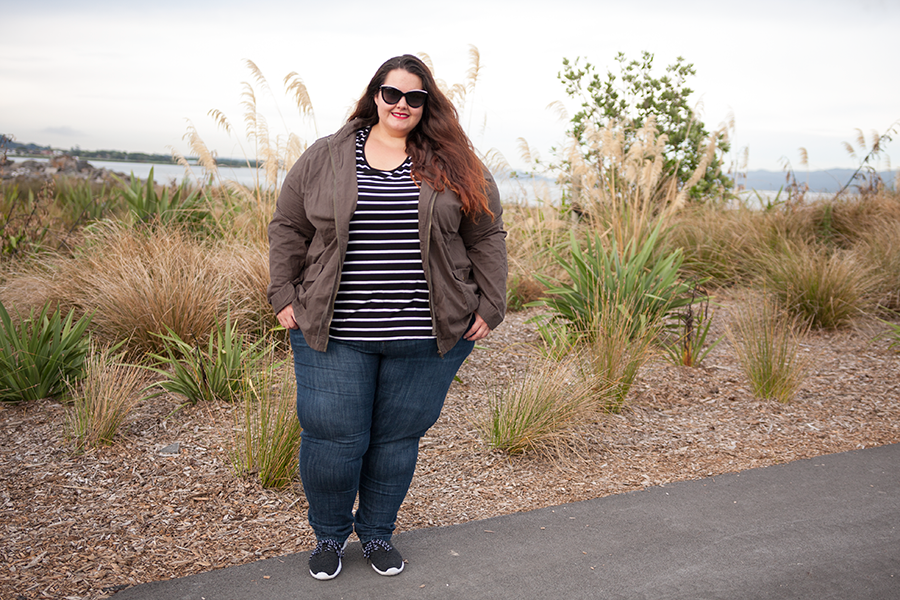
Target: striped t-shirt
383, 294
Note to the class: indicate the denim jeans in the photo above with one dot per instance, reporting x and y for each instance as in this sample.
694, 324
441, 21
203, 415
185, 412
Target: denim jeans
363, 407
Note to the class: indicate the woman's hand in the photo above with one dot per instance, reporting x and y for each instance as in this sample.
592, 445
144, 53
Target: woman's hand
478, 331
286, 318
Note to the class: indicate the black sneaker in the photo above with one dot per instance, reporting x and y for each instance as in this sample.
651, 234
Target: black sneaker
383, 557
325, 560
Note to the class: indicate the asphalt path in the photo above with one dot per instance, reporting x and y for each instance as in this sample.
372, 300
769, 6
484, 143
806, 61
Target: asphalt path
822, 528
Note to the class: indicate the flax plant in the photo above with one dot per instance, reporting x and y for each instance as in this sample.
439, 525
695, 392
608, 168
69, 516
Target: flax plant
691, 325
633, 276
892, 333
767, 340
214, 372
108, 393
40, 352
266, 430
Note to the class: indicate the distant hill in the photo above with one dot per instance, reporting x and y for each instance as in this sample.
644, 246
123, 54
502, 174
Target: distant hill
828, 181
109, 155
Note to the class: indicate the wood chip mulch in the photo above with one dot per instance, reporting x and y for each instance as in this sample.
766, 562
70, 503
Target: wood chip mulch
87, 525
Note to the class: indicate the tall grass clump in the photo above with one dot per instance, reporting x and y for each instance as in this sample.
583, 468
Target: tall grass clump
267, 432
105, 397
40, 352
825, 289
249, 207
532, 231
536, 411
617, 179
767, 341
139, 282
535, 223
852, 218
618, 344
718, 243
246, 265
879, 248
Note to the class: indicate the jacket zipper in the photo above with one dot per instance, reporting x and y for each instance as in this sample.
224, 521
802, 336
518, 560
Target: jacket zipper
426, 265
329, 314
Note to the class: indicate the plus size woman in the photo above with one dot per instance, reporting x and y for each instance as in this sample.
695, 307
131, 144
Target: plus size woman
387, 262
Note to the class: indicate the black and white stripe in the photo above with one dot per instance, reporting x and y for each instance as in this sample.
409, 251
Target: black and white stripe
383, 294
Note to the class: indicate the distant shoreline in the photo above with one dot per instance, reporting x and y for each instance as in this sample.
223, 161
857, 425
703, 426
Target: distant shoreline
155, 160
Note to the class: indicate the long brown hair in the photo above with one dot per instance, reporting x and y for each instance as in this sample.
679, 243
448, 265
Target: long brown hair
441, 152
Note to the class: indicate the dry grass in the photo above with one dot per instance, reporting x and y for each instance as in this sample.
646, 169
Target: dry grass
629, 193
532, 231
266, 431
142, 282
619, 344
767, 339
103, 400
538, 411
878, 248
824, 289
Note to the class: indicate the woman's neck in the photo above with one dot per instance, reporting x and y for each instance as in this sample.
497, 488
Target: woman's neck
384, 151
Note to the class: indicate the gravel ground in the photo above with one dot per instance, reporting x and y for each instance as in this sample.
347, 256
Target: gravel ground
85, 526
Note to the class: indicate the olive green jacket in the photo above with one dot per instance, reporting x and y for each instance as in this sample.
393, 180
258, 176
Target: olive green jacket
464, 259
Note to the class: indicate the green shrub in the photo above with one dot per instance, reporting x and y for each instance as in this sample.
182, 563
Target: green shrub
39, 353
267, 432
24, 227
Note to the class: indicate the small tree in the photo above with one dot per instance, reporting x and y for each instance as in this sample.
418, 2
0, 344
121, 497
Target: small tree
631, 97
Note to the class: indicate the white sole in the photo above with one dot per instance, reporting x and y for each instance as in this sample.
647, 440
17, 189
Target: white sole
325, 576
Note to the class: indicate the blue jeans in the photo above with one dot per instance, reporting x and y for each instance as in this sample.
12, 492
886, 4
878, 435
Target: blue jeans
363, 407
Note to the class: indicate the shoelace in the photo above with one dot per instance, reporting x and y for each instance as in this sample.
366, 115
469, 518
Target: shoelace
372, 545
324, 545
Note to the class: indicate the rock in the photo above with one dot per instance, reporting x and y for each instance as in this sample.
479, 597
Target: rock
58, 165
65, 163
174, 448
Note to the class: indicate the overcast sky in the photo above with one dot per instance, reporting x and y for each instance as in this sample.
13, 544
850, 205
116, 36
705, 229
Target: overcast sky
115, 75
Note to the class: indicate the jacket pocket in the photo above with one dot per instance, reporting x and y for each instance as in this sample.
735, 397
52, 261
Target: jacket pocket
465, 285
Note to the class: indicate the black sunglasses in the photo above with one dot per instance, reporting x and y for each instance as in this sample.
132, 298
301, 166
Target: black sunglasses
414, 98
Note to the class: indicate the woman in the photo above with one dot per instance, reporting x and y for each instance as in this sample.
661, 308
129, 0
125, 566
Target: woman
388, 262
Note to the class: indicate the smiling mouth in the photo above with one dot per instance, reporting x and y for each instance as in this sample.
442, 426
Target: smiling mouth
400, 115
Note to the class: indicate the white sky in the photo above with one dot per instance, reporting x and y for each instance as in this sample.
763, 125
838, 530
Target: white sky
118, 75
